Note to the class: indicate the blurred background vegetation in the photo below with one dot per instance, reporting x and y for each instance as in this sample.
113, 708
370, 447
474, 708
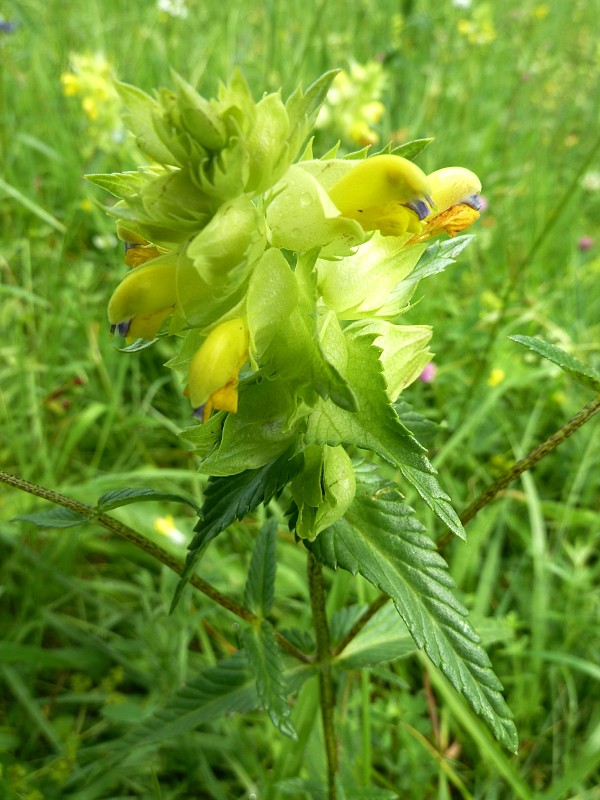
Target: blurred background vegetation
509, 90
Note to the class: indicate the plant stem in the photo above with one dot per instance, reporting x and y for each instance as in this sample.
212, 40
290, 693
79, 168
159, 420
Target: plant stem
521, 466
360, 623
317, 602
114, 526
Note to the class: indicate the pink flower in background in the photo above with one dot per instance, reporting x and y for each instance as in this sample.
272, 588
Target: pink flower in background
428, 374
585, 243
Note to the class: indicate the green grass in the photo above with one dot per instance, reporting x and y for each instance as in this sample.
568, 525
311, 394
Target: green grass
87, 646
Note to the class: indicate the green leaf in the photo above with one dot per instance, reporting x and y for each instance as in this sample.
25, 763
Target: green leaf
123, 497
282, 318
384, 638
139, 114
264, 661
55, 518
412, 149
265, 426
302, 108
229, 499
120, 184
381, 539
423, 429
586, 376
435, 259
376, 426
260, 585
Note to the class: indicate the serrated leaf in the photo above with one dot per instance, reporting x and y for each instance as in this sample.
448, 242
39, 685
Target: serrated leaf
583, 374
423, 429
435, 259
376, 426
302, 108
384, 638
264, 661
55, 518
381, 539
232, 498
260, 585
123, 497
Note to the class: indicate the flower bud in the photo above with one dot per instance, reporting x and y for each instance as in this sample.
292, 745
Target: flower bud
324, 489
144, 298
213, 373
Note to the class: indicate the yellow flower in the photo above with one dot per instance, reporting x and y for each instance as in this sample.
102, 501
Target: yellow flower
213, 374
144, 299
166, 527
455, 195
496, 377
386, 193
70, 84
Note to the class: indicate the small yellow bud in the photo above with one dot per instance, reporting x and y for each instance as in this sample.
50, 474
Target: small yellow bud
213, 375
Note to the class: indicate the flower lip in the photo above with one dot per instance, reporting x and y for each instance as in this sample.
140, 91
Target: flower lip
420, 207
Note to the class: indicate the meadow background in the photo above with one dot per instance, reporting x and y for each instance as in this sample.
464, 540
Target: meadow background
510, 90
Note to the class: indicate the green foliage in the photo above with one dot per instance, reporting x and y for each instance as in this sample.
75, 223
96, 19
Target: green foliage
380, 539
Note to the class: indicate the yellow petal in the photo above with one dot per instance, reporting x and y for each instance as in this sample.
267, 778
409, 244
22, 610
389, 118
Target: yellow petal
376, 182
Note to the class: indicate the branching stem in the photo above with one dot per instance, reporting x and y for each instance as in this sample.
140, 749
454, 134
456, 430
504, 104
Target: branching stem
114, 526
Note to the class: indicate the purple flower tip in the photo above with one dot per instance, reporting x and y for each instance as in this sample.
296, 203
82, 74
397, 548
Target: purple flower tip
428, 374
199, 412
585, 243
122, 328
8, 27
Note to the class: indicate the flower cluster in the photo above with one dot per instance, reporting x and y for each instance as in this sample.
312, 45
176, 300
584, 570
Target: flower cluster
271, 268
353, 105
89, 79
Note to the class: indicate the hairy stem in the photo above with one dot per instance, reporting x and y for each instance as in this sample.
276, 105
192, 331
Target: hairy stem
157, 552
521, 466
317, 601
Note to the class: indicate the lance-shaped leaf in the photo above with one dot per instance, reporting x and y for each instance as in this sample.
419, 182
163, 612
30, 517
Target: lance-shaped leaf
55, 518
381, 539
231, 498
376, 426
260, 585
124, 497
265, 664
582, 373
